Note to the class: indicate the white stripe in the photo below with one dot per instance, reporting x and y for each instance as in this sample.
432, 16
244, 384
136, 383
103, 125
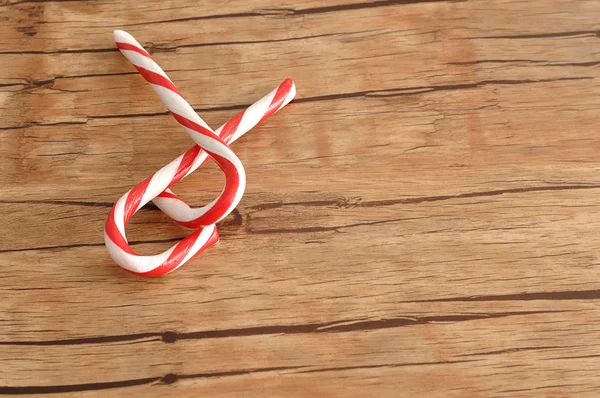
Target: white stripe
143, 61
175, 103
162, 178
135, 263
124, 37
119, 214
253, 115
200, 241
174, 208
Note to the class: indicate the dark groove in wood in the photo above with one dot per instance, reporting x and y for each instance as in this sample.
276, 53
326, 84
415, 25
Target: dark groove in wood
590, 63
78, 245
153, 114
337, 203
232, 43
362, 6
42, 52
307, 11
562, 295
379, 93
88, 340
399, 322
72, 246
542, 35
173, 378
343, 203
389, 365
150, 114
76, 387
331, 327
40, 1
325, 229
530, 61
495, 61
38, 124
537, 388
169, 378
158, 48
97, 75
58, 202
12, 84
427, 89
513, 350
574, 357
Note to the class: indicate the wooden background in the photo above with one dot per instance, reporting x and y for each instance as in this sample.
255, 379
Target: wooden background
423, 220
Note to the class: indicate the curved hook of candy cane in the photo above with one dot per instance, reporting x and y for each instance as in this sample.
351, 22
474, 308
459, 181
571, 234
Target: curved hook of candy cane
133, 200
175, 207
197, 129
215, 147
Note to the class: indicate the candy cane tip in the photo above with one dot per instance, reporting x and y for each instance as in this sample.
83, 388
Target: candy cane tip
123, 37
288, 85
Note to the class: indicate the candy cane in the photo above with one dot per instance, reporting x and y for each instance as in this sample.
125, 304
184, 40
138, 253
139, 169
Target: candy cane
209, 143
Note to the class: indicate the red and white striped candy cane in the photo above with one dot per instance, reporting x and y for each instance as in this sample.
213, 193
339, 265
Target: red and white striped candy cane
209, 143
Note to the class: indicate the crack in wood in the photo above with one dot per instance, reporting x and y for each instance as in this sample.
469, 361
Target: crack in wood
515, 350
169, 378
306, 11
78, 245
558, 295
76, 387
388, 365
335, 228
540, 35
343, 203
153, 48
331, 327
409, 91
529, 61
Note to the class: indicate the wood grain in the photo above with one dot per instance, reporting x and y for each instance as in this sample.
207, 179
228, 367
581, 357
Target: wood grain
423, 220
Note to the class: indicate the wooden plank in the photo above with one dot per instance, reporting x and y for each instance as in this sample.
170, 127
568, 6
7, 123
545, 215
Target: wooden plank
56, 26
540, 344
77, 99
413, 249
477, 149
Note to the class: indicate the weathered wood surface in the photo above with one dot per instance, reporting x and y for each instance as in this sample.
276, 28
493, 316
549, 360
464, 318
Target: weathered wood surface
423, 220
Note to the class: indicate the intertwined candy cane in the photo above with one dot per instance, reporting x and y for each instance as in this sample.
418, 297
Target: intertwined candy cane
156, 187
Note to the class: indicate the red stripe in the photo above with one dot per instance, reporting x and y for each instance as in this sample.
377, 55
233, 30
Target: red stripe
131, 204
114, 234
231, 126
135, 197
131, 47
280, 95
155, 78
179, 254
170, 195
185, 122
186, 163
